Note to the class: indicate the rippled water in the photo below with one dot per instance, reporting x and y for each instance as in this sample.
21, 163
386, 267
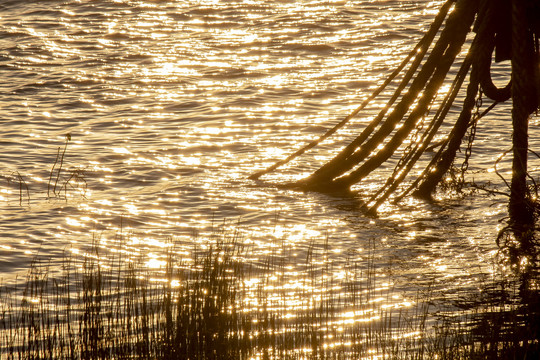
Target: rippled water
171, 105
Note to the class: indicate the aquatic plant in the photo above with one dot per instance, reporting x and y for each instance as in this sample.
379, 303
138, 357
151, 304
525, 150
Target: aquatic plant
97, 311
207, 307
59, 179
76, 175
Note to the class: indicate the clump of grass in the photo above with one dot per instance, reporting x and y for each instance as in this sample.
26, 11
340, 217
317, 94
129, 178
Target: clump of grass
215, 305
93, 311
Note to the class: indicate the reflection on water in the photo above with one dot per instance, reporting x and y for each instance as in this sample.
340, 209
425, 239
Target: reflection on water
171, 105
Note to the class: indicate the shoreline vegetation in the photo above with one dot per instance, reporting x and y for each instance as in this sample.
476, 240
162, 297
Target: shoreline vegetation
213, 304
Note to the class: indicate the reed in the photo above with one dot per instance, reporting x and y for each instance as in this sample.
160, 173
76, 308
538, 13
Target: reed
61, 180
209, 307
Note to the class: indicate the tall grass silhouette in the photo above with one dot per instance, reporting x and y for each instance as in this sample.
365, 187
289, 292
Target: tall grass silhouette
215, 305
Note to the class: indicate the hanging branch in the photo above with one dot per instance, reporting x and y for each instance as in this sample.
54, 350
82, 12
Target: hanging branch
417, 53
511, 35
433, 173
428, 80
407, 162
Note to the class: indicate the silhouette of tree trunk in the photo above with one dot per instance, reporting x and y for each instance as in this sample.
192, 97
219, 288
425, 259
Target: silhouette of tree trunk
525, 102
